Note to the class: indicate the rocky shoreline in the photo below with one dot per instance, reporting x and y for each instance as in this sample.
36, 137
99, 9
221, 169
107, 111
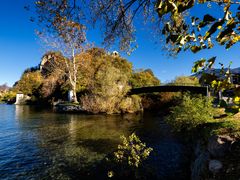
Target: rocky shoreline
71, 108
217, 159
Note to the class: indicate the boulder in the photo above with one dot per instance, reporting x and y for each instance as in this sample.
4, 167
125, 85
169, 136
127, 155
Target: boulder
199, 166
219, 145
215, 166
235, 148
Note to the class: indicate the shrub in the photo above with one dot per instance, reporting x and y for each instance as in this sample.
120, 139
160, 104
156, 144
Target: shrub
131, 104
99, 104
129, 156
29, 83
190, 113
132, 151
109, 105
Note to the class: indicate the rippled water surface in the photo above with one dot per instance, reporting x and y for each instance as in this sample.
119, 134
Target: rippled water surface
36, 143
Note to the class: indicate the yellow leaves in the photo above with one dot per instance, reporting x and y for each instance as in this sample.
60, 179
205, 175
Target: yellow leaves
110, 174
201, 1
226, 1
215, 83
230, 21
236, 100
132, 151
207, 34
236, 38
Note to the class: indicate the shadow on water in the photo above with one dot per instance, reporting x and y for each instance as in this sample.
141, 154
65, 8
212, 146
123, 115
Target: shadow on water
36, 143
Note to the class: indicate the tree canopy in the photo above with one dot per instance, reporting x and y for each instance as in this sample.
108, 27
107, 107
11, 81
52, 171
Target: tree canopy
29, 83
144, 78
181, 28
186, 80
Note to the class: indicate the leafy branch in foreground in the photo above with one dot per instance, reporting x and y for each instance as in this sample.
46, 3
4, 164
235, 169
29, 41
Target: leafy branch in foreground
217, 80
173, 20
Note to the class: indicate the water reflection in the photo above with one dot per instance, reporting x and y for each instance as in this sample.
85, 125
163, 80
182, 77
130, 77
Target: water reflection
41, 143
21, 110
36, 143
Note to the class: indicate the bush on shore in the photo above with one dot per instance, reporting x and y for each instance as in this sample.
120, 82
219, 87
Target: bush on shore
190, 113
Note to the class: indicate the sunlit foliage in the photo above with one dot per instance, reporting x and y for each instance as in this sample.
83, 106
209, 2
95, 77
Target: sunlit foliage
8, 96
172, 19
144, 78
29, 83
108, 83
129, 156
186, 80
132, 151
190, 113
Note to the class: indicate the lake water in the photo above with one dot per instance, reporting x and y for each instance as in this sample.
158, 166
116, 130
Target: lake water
36, 143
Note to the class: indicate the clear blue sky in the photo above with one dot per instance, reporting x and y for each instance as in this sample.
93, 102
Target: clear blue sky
20, 49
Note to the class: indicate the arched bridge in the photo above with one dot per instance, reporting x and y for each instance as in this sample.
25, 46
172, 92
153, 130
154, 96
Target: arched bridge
171, 88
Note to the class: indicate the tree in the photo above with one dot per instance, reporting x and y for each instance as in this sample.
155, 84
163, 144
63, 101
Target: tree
108, 82
186, 80
29, 83
144, 78
171, 18
60, 28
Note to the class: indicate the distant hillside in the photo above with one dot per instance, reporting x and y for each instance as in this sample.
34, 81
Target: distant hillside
4, 87
234, 78
217, 72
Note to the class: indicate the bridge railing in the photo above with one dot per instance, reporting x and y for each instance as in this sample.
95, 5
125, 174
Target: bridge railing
181, 84
171, 88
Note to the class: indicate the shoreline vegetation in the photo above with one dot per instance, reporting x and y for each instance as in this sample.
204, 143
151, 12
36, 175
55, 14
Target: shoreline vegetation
104, 81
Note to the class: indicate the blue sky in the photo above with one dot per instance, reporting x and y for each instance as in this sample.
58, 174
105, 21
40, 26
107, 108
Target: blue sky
20, 48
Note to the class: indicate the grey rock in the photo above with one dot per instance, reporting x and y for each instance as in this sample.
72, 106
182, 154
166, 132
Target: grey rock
235, 148
68, 108
215, 166
200, 166
219, 145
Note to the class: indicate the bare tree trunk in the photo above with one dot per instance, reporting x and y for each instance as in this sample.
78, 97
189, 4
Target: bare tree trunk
72, 75
75, 95
74, 78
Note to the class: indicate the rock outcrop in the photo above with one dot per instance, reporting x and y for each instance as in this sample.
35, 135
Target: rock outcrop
219, 145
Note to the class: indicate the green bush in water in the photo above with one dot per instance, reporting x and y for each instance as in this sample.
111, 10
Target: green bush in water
130, 154
191, 112
132, 151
